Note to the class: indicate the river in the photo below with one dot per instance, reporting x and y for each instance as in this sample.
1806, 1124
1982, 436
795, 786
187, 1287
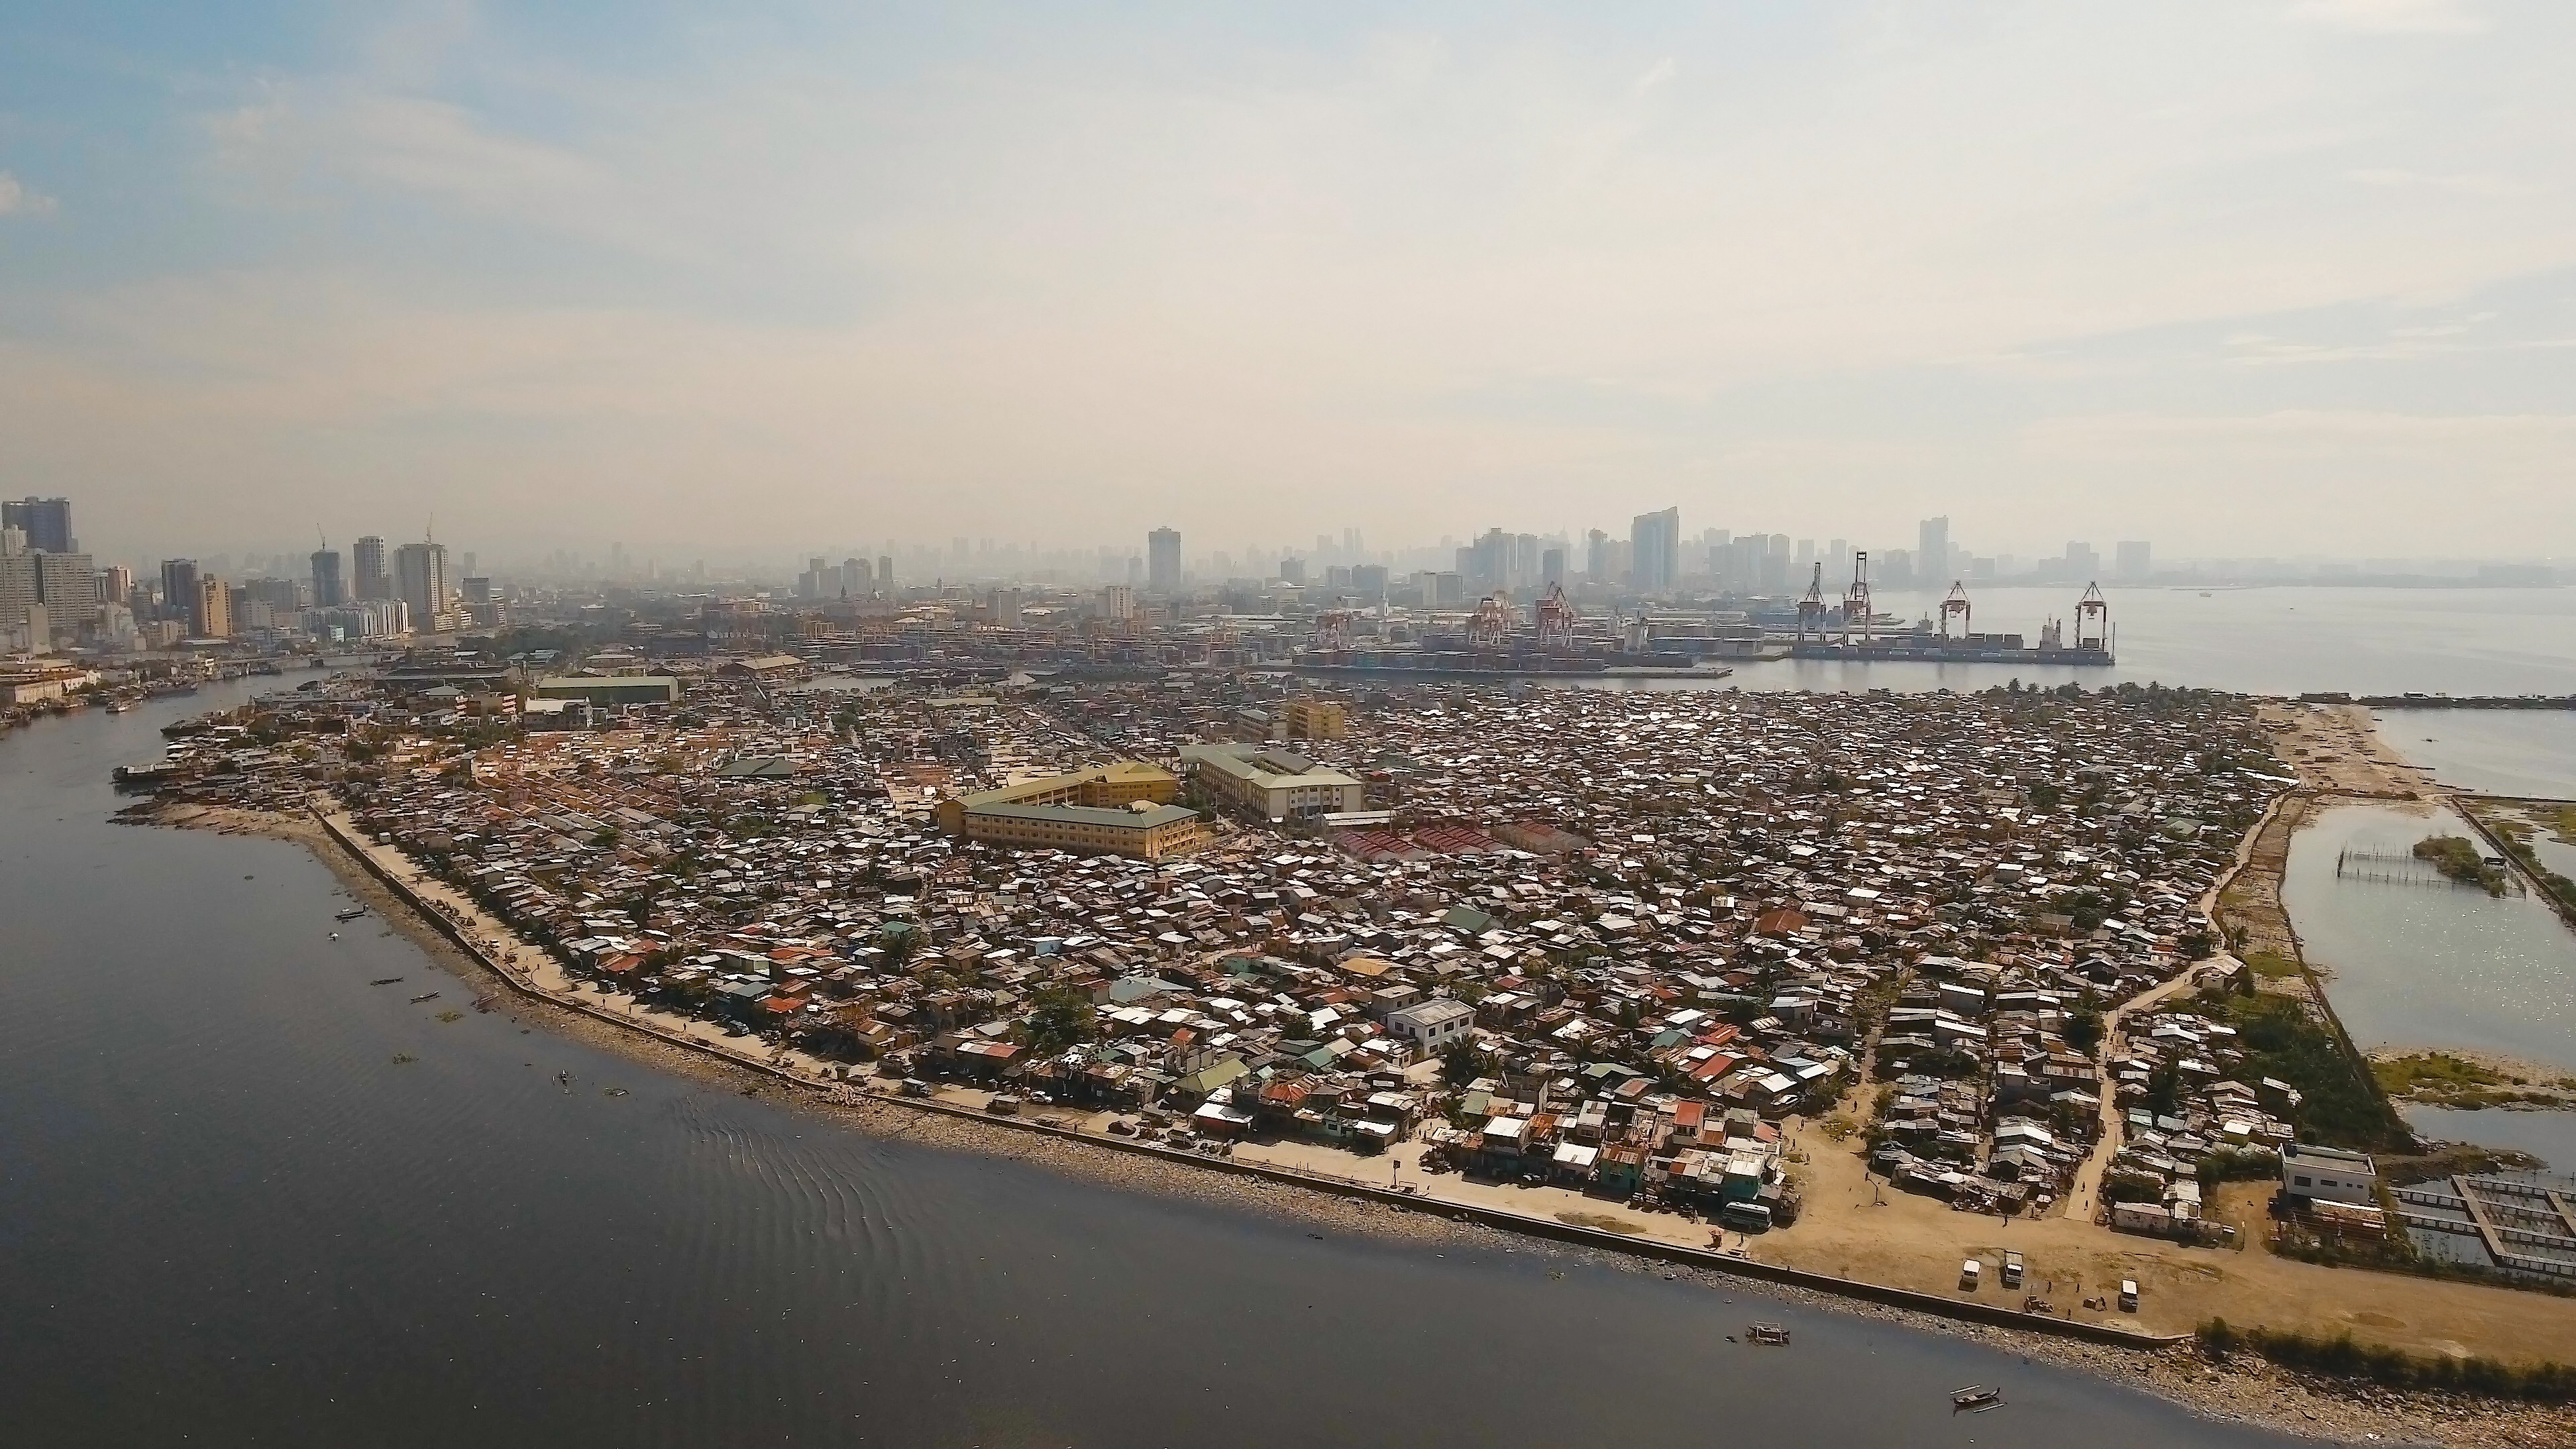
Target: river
246, 1198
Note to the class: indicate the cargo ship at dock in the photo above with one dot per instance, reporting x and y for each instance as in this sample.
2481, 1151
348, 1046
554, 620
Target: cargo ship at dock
1856, 635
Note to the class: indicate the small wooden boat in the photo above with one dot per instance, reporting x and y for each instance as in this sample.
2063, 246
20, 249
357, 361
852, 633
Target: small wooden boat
351, 914
1773, 1333
384, 981
1975, 1396
424, 996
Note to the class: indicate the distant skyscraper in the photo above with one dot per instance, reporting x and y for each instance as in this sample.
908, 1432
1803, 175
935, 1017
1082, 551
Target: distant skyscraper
1596, 557
1163, 560
421, 582
328, 593
367, 561
2136, 560
179, 590
1932, 554
47, 522
885, 570
1655, 550
1551, 567
2081, 561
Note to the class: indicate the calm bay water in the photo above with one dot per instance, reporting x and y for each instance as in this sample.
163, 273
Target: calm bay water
2417, 965
229, 1215
2519, 752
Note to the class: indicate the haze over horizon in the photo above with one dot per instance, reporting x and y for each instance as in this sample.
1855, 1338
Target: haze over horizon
2274, 278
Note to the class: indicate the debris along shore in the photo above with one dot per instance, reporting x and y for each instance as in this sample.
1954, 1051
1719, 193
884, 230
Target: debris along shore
2239, 1389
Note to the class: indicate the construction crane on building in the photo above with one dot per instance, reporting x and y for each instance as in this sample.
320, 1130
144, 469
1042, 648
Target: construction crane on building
1956, 603
1856, 605
1556, 620
1811, 609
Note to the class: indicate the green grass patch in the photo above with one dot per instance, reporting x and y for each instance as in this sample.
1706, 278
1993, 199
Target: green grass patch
2442, 1080
2461, 860
2436, 1071
2271, 965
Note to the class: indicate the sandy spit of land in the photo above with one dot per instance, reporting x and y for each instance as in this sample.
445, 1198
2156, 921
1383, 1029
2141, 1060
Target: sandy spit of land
2238, 1389
2337, 750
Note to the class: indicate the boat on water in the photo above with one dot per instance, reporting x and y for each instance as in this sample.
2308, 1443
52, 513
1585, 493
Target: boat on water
1975, 1396
424, 996
350, 914
1772, 1333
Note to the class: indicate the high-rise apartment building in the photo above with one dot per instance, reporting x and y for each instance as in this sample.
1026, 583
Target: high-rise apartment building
328, 591
68, 583
1932, 553
22, 602
1163, 560
2134, 560
421, 582
47, 522
367, 569
210, 613
1655, 551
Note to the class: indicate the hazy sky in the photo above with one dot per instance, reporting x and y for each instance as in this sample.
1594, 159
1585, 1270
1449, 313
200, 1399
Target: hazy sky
2262, 276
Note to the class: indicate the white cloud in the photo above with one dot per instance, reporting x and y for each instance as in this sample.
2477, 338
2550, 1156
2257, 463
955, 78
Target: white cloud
16, 199
1099, 279
2391, 17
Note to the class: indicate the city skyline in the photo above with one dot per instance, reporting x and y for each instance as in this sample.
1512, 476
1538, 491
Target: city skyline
2267, 280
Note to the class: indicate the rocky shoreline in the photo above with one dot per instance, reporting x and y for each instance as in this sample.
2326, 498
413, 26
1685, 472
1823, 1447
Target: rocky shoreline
2240, 1389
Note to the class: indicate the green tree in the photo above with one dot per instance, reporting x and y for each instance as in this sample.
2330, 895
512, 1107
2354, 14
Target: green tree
2084, 1029
1061, 1018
